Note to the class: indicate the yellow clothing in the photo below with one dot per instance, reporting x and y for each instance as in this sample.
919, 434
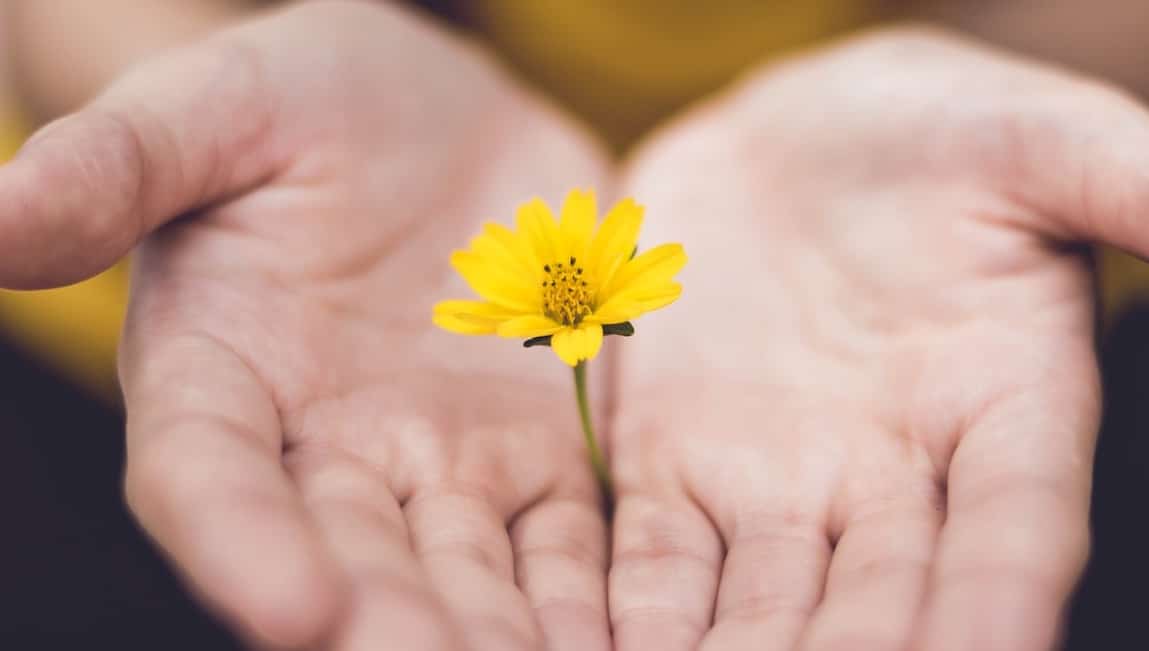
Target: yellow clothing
623, 65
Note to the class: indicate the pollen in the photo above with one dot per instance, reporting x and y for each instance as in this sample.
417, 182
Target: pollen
567, 298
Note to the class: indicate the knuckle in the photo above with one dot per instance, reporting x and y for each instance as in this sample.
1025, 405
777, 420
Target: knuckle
858, 642
144, 478
155, 482
766, 606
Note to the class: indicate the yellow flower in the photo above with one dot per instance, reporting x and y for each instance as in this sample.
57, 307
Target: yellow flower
565, 279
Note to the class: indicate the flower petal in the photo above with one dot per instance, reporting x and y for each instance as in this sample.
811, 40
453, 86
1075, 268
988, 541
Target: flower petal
517, 245
462, 326
573, 345
538, 229
566, 344
615, 240
576, 224
498, 249
629, 305
654, 267
497, 285
592, 340
527, 326
469, 317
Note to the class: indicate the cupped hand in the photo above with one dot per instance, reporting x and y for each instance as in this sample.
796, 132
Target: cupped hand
869, 422
326, 469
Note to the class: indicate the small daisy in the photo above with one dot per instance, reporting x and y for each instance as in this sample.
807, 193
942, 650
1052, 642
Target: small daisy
566, 280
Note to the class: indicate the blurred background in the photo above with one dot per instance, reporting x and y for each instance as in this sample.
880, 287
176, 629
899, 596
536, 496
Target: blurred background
76, 573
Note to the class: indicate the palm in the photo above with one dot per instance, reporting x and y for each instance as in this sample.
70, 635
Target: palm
878, 396
381, 416
441, 482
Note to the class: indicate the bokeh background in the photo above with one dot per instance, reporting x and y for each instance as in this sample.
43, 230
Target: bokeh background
75, 572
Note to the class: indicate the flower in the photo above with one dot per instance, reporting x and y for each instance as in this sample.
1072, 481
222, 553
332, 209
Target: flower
565, 279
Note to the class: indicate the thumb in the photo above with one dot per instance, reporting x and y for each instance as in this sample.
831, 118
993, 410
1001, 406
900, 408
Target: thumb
173, 135
1081, 163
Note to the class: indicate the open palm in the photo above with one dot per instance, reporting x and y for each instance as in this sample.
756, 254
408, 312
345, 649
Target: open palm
869, 422
326, 469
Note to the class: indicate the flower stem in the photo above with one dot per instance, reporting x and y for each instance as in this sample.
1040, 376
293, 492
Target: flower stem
597, 461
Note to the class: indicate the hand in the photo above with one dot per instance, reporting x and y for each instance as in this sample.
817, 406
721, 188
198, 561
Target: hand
869, 422
324, 467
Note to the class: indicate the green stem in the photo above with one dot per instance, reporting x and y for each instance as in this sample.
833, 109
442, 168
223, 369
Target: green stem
597, 461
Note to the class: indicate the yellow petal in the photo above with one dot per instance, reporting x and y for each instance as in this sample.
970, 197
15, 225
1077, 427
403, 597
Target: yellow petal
538, 229
658, 300
527, 326
496, 250
461, 326
469, 317
651, 268
592, 340
576, 224
566, 346
629, 305
573, 345
615, 240
497, 285
517, 245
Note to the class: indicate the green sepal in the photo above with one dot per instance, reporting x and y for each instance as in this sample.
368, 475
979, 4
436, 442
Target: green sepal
624, 329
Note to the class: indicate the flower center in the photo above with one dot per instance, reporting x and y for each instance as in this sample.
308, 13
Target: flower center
566, 295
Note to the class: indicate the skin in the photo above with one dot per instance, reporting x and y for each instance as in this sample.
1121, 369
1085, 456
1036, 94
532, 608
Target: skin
869, 422
858, 428
324, 468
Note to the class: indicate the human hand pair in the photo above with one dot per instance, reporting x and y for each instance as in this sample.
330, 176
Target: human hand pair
329, 472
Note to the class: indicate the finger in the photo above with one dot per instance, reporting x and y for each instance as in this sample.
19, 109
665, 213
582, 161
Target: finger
1080, 157
879, 569
392, 603
205, 480
174, 134
664, 573
771, 581
560, 549
463, 542
1016, 533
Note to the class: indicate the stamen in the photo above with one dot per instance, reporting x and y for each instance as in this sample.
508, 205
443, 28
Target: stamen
566, 296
